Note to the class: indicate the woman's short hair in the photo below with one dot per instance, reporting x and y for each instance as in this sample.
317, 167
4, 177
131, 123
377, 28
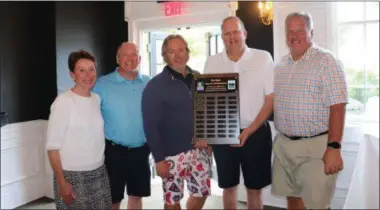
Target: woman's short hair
75, 56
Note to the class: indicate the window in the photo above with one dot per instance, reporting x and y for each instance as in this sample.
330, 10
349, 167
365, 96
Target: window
215, 44
357, 46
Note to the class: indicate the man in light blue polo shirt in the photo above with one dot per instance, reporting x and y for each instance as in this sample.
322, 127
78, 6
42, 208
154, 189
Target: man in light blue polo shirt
126, 153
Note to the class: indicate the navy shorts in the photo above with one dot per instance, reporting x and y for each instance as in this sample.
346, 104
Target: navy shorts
127, 167
254, 158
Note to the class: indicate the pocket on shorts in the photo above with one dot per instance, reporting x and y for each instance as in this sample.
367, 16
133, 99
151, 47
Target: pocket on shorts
279, 145
313, 148
276, 142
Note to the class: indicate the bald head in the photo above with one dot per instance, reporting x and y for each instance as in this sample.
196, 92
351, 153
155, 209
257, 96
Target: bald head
127, 56
233, 35
127, 45
235, 20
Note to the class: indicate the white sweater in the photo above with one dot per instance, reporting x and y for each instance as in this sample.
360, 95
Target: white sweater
76, 129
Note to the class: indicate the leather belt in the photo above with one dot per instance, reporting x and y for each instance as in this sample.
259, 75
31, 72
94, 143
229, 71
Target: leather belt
111, 143
305, 137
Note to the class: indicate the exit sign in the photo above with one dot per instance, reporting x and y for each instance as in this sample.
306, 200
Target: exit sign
172, 8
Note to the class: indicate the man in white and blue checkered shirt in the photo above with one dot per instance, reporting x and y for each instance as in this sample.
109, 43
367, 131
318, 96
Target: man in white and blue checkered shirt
310, 95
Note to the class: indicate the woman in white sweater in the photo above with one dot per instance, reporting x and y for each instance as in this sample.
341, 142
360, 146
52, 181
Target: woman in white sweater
75, 141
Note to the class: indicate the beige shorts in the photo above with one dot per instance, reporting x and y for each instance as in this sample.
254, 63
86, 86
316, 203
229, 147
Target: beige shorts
298, 171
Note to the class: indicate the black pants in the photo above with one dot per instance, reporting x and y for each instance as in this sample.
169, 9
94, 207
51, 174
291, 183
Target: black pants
254, 158
127, 167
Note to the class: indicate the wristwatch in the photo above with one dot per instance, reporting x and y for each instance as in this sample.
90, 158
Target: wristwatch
334, 145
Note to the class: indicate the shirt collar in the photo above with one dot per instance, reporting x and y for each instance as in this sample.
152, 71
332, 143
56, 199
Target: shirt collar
120, 78
176, 74
246, 55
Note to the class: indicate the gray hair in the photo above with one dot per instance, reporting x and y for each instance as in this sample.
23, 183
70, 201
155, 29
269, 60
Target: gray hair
236, 18
304, 15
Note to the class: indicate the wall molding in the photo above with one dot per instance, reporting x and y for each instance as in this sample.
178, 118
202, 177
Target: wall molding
23, 163
16, 130
26, 153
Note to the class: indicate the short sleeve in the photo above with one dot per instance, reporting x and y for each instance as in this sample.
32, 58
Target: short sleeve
269, 75
100, 89
58, 122
334, 82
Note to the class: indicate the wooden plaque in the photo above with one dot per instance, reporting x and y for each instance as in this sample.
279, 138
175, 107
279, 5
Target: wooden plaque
216, 108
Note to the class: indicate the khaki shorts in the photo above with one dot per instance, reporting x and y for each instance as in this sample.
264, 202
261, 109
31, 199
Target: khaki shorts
298, 171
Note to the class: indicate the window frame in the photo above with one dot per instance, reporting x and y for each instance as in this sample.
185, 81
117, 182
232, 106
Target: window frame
218, 48
335, 26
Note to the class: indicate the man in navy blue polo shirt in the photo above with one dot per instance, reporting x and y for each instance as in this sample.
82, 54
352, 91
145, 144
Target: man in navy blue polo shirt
126, 153
168, 124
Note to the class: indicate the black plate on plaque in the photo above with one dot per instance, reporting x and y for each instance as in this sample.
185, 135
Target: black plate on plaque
216, 108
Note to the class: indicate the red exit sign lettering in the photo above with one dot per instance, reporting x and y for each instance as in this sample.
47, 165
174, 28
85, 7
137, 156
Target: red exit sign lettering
173, 8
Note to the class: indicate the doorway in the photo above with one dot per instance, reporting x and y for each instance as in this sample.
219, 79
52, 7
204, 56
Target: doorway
203, 41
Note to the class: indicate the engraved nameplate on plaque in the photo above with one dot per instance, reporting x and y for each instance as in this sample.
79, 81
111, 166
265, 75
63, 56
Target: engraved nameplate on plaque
216, 108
